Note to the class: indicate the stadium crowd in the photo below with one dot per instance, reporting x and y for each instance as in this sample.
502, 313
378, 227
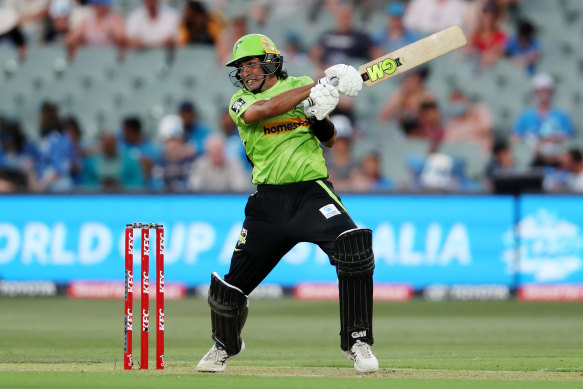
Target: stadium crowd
188, 154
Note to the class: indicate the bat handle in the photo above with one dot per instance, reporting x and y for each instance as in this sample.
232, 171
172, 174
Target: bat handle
324, 81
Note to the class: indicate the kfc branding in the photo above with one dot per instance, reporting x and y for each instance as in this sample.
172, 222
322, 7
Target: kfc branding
161, 281
161, 319
146, 282
129, 320
145, 320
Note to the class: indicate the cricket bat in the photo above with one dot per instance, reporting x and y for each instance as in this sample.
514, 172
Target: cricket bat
410, 56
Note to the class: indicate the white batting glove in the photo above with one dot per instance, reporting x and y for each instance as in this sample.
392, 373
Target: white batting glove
323, 99
349, 79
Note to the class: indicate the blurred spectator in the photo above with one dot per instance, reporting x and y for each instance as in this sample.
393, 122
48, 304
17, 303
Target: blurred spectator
394, 35
196, 26
501, 162
261, 10
368, 177
195, 131
64, 16
17, 153
236, 28
441, 173
31, 14
344, 43
572, 162
170, 173
12, 181
406, 101
339, 158
55, 153
80, 150
430, 126
213, 172
293, 51
524, 48
103, 26
429, 16
468, 121
133, 141
152, 25
10, 30
544, 127
489, 39
112, 169
234, 148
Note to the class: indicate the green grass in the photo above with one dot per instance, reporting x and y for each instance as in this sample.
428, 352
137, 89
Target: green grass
61, 343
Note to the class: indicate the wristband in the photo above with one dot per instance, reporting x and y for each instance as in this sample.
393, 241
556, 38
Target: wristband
323, 129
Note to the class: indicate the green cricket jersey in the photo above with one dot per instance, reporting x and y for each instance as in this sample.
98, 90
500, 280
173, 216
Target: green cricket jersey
282, 149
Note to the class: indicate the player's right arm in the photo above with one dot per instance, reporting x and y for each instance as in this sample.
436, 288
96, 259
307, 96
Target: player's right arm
278, 105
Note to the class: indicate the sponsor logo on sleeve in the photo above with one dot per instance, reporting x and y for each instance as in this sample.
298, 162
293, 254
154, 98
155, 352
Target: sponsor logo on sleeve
238, 105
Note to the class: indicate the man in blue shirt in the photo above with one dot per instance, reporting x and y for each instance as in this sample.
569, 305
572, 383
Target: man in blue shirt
394, 35
195, 132
544, 127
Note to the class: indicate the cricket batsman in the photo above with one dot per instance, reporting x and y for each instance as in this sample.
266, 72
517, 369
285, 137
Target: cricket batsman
294, 201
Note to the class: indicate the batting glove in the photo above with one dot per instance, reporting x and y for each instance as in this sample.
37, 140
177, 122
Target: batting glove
349, 79
323, 99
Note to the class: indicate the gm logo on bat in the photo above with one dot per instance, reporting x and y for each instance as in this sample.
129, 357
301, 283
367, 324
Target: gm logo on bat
381, 69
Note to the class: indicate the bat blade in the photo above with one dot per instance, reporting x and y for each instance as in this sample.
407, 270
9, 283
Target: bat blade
410, 56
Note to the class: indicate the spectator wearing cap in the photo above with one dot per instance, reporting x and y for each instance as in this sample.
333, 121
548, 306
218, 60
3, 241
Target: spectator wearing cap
339, 159
524, 48
394, 35
171, 171
195, 131
101, 27
152, 25
64, 16
544, 127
